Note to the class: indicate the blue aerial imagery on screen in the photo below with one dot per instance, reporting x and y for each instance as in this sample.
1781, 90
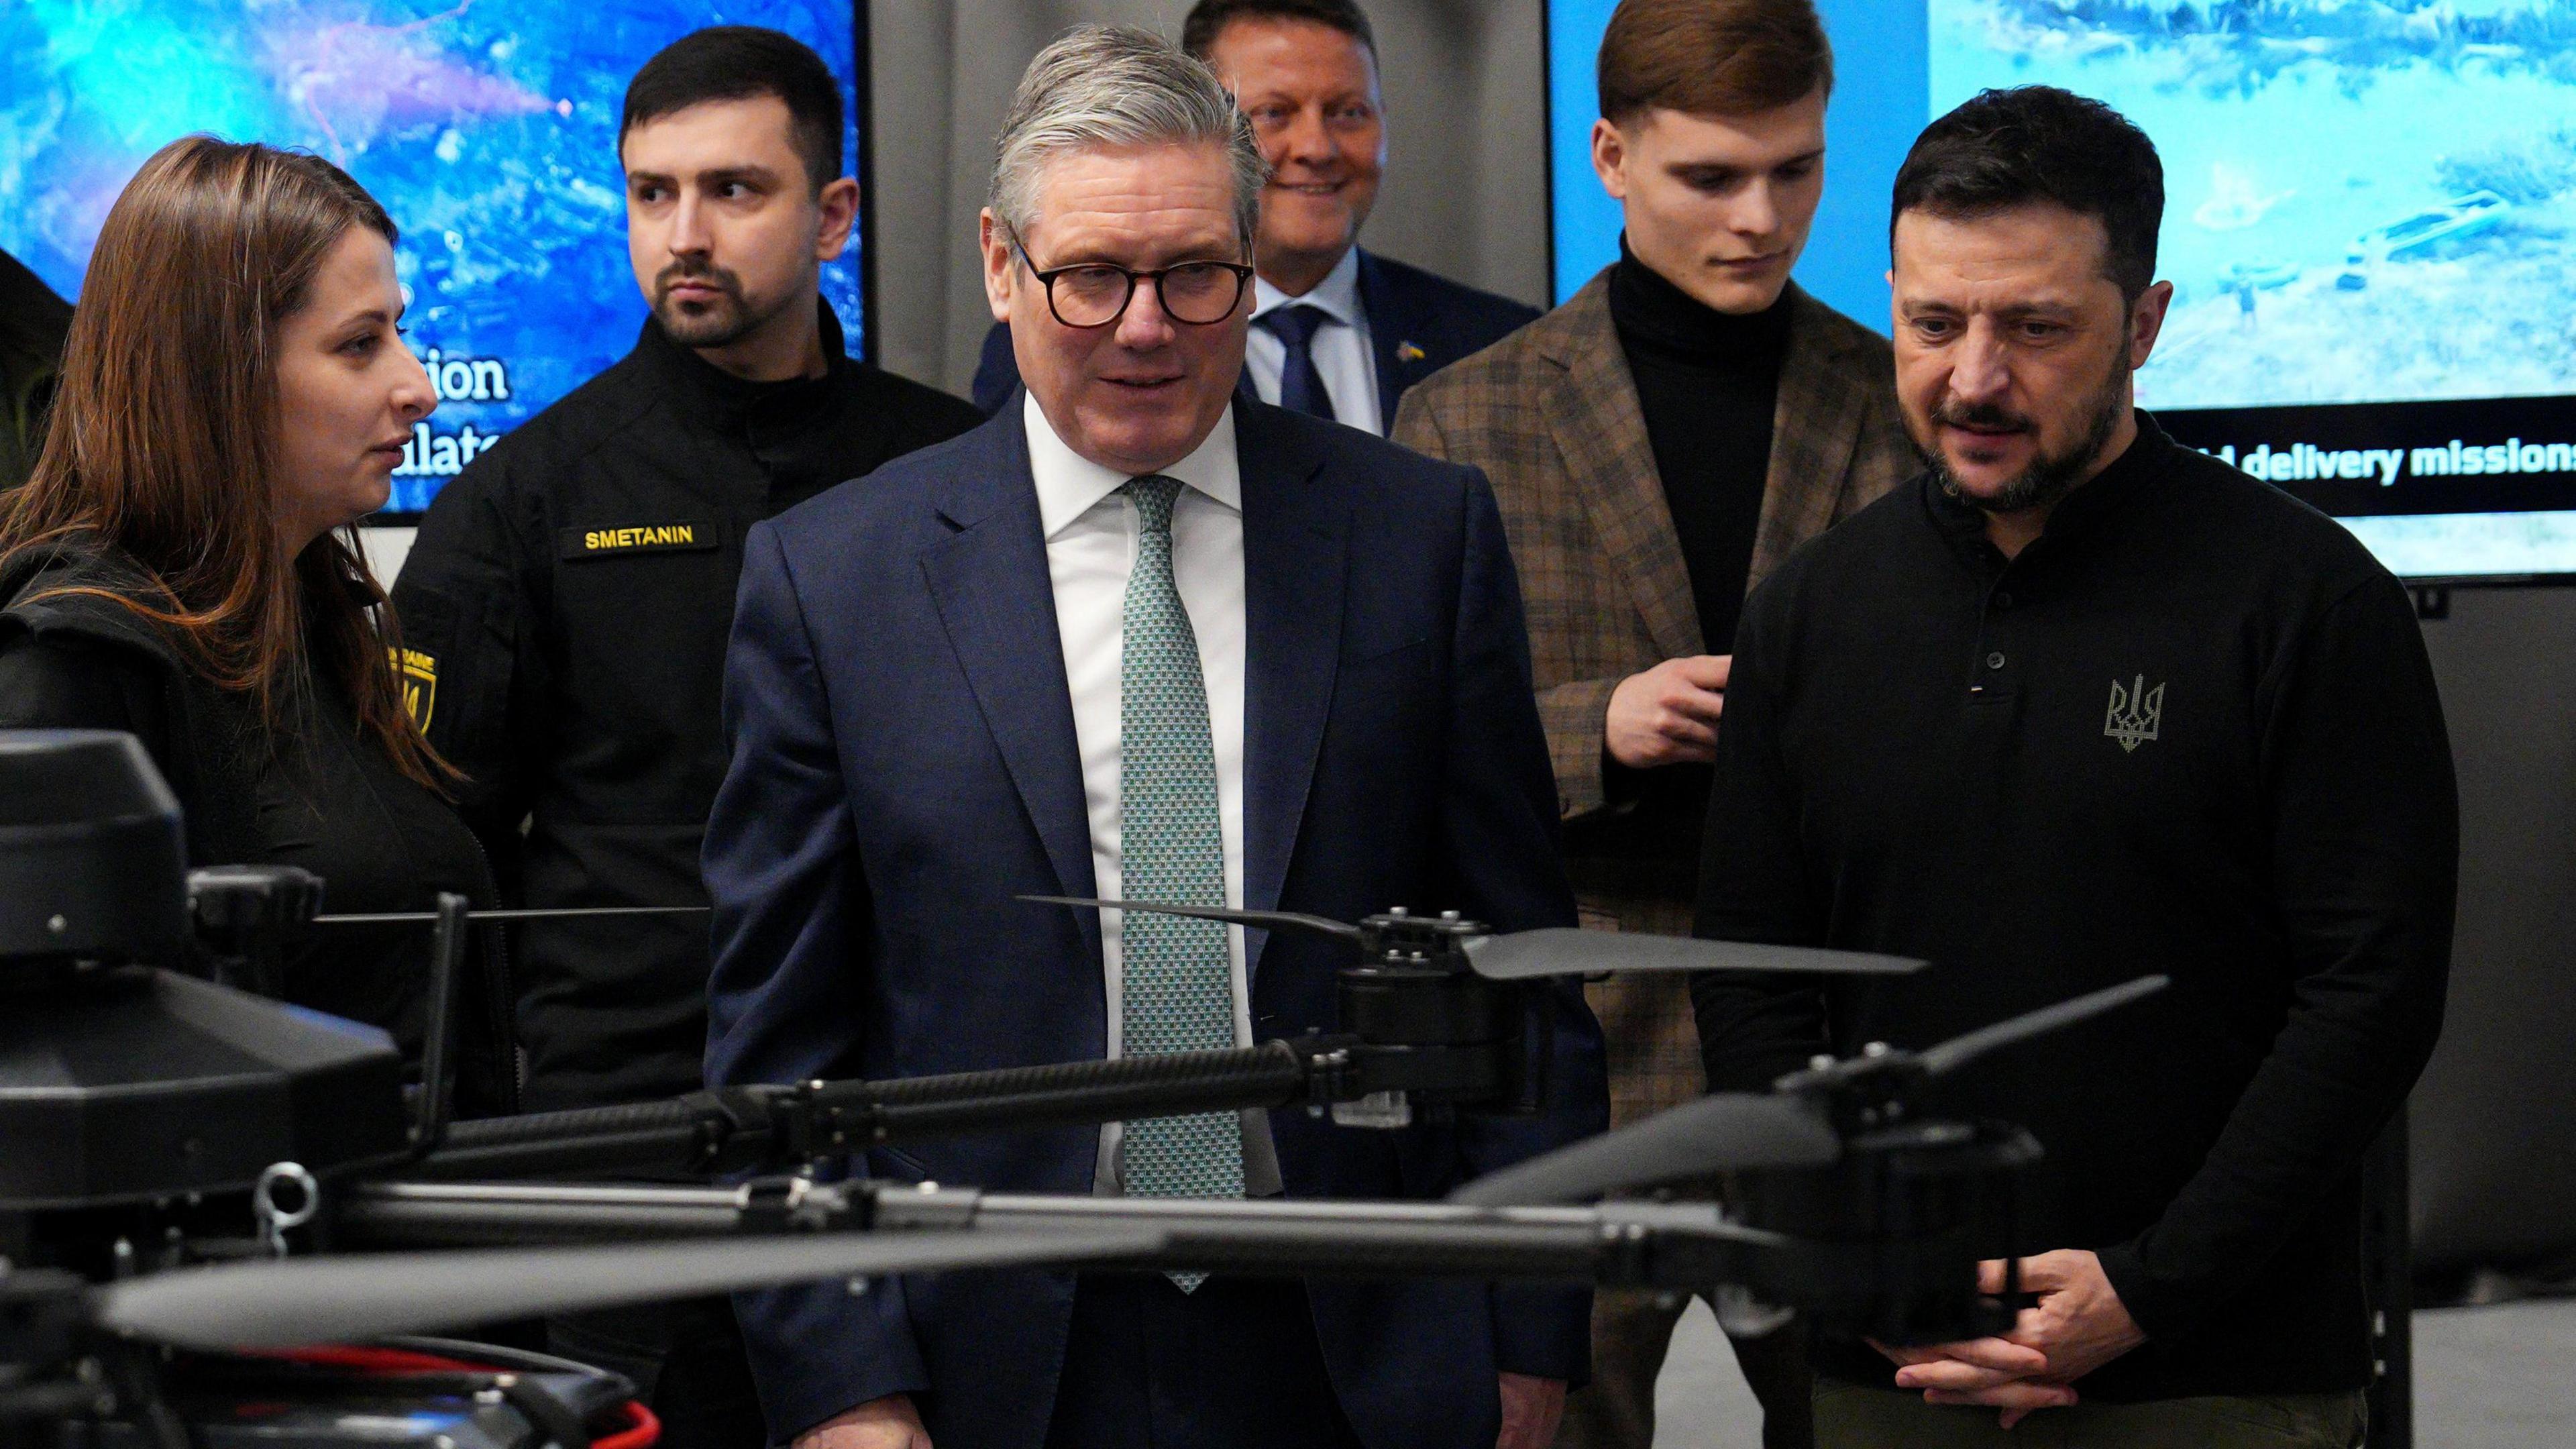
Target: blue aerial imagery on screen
487, 128
2365, 201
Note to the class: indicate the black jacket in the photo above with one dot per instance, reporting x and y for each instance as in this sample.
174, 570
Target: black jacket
564, 612
310, 792
2192, 730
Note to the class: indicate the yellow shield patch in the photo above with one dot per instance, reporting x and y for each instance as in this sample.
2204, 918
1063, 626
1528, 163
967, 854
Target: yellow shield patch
417, 673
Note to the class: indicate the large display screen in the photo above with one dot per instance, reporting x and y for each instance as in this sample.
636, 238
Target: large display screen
2370, 225
487, 128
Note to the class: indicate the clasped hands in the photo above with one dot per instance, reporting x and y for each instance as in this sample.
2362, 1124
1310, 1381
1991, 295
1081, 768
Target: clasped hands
2077, 1325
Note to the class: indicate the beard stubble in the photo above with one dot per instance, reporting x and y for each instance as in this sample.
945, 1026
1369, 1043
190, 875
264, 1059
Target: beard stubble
2049, 476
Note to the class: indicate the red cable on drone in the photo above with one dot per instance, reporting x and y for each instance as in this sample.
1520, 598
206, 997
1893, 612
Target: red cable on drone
643, 1429
377, 1360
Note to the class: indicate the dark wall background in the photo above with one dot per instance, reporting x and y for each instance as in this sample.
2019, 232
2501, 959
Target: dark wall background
2494, 1122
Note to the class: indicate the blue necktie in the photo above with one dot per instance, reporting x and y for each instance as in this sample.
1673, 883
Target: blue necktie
1301, 386
1177, 978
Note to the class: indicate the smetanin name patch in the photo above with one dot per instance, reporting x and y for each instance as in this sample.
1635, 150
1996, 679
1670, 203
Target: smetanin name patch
607, 541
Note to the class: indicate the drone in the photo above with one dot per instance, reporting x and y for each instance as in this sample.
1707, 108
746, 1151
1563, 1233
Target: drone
199, 1185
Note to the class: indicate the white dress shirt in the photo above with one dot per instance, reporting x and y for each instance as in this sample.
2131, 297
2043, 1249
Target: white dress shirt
1090, 530
1342, 350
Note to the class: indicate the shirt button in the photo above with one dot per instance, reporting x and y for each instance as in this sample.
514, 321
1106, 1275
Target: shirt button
1994, 661
2003, 599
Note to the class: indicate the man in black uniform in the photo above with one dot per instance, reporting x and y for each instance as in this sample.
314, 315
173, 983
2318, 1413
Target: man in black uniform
2077, 705
567, 602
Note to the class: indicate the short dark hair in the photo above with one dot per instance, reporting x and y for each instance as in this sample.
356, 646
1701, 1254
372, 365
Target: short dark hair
1209, 18
737, 62
1711, 57
2008, 148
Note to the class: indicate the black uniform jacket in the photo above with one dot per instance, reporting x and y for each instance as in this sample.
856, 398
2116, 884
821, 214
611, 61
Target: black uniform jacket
565, 609
305, 790
2191, 729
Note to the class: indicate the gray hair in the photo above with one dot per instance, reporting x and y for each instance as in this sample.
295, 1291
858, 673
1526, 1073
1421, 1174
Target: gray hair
1112, 85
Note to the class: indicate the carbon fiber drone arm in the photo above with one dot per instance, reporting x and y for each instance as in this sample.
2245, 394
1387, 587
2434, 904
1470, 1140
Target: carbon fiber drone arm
779, 1126
1914, 1286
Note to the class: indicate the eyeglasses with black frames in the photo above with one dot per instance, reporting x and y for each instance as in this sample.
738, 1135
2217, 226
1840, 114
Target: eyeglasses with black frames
1096, 294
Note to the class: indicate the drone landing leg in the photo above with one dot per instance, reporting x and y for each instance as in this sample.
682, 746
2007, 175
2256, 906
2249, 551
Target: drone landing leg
446, 968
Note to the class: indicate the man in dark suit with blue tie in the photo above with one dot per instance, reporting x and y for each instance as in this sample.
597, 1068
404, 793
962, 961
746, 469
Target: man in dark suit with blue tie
1337, 331
1140, 637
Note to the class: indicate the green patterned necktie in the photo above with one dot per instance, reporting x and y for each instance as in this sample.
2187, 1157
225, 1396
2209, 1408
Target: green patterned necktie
1178, 993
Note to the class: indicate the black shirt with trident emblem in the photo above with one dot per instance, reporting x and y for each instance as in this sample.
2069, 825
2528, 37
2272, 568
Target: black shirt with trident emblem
2191, 729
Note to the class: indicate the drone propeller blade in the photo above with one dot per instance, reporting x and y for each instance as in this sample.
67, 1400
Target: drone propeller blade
534, 913
1960, 1050
1714, 1134
1267, 920
292, 1302
1560, 951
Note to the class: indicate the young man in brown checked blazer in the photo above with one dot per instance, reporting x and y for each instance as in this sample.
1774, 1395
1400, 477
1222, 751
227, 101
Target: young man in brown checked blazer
1659, 444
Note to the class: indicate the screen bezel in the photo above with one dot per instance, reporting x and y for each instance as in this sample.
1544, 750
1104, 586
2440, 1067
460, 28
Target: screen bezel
2408, 425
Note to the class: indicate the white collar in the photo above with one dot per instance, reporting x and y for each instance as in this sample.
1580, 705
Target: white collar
1070, 485
1337, 296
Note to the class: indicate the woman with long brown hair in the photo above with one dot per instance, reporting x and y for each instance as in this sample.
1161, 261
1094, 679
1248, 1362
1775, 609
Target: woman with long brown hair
235, 394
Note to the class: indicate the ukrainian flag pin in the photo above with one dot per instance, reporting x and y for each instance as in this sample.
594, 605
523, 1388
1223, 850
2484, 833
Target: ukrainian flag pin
1407, 352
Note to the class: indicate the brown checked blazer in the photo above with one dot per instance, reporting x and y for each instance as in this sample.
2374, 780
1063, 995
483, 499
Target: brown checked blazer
1550, 413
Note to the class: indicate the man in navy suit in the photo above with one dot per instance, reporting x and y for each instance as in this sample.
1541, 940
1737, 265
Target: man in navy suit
1139, 636
1337, 331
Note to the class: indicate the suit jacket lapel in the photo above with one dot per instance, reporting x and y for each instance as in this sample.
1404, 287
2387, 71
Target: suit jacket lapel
1592, 414
1391, 326
996, 600
1296, 529
1815, 429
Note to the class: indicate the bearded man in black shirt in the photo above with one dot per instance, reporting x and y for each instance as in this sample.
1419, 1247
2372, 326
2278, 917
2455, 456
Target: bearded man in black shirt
2076, 705
566, 606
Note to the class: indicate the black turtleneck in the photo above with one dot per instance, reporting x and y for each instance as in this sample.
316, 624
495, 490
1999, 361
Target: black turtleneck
1707, 382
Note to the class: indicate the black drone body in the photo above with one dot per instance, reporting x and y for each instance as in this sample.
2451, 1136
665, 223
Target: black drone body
125, 1082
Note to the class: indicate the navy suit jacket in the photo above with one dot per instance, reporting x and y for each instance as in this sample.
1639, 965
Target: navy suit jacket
903, 764
1419, 323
